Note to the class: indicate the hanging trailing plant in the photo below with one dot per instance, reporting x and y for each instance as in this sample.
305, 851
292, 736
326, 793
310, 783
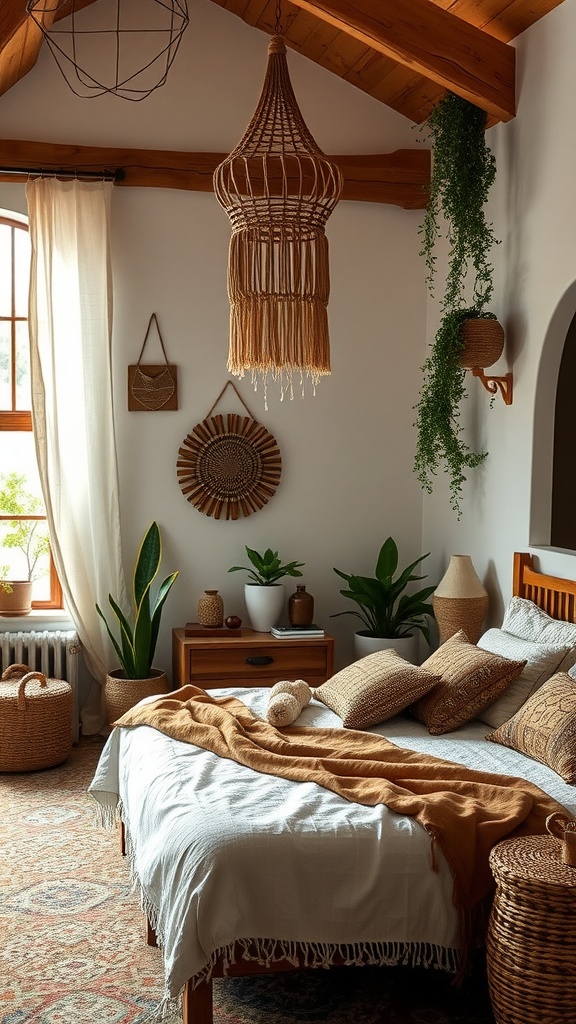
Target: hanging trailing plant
463, 171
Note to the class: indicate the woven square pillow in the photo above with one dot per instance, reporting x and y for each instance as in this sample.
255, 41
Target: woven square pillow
526, 619
542, 660
470, 680
545, 727
374, 688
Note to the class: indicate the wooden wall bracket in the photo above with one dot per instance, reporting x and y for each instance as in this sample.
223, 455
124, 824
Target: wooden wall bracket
503, 384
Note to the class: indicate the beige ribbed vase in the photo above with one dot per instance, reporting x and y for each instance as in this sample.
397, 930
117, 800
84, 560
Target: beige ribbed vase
460, 601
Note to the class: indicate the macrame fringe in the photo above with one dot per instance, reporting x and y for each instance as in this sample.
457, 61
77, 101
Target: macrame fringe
278, 308
106, 809
324, 955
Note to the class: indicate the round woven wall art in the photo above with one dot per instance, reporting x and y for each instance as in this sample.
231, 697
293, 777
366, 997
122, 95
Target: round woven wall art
229, 466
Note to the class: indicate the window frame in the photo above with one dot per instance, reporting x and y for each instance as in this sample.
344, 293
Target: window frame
20, 420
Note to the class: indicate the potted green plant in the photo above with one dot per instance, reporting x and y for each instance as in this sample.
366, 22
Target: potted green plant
137, 678
463, 171
29, 536
391, 617
263, 593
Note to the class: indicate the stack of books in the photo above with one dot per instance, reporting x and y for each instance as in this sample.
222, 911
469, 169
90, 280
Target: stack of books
297, 632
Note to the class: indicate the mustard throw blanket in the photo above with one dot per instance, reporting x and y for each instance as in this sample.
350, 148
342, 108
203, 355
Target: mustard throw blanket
465, 811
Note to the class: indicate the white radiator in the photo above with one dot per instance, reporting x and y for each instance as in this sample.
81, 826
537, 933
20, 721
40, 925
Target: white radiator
54, 652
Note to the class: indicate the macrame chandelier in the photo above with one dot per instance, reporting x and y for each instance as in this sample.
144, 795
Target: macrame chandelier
278, 189
95, 49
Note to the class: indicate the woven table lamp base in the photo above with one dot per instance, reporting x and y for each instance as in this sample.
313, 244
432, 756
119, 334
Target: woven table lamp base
460, 601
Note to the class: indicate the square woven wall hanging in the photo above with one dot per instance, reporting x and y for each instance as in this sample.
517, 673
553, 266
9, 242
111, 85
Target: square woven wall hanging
152, 386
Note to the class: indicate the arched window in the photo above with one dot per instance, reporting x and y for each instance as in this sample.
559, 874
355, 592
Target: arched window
24, 544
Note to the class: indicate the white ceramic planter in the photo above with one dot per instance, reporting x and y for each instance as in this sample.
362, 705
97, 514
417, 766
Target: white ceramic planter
407, 647
264, 605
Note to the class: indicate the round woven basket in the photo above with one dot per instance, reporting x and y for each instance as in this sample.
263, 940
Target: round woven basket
483, 342
35, 720
121, 694
531, 942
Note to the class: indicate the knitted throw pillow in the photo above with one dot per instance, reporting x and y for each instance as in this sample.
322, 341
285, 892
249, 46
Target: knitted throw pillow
470, 679
545, 727
374, 688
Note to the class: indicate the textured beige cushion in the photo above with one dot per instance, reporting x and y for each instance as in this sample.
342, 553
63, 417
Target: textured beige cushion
542, 660
470, 679
375, 688
526, 619
545, 727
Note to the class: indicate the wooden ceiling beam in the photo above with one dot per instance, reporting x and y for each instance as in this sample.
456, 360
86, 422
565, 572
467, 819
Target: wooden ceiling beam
21, 38
401, 178
432, 42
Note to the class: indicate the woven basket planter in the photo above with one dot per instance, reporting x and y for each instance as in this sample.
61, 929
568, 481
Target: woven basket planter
35, 720
121, 694
483, 342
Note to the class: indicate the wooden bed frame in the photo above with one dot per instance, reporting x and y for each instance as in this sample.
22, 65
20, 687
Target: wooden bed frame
554, 595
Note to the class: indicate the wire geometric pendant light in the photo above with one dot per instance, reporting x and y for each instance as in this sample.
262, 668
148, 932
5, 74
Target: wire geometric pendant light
278, 189
126, 49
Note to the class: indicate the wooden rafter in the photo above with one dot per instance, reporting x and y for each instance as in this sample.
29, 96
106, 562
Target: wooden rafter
21, 39
399, 178
433, 42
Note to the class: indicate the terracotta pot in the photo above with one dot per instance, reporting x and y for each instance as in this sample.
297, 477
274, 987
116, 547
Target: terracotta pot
121, 694
18, 601
483, 342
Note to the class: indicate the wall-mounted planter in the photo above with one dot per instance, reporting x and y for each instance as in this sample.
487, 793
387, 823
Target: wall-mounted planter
483, 342
483, 345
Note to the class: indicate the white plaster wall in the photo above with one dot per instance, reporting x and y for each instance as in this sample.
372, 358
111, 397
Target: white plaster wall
347, 478
534, 213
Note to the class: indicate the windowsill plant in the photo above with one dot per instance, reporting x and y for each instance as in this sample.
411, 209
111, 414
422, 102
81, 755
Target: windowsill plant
29, 536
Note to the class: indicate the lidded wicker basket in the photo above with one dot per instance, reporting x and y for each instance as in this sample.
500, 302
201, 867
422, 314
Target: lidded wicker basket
35, 720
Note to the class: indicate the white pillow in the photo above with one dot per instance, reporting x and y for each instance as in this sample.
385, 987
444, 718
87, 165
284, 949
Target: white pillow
524, 618
542, 661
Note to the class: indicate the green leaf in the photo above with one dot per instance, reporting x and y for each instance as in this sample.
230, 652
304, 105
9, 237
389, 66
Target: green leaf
137, 646
385, 610
147, 562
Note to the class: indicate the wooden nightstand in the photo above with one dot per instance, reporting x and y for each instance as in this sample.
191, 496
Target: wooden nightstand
531, 943
251, 659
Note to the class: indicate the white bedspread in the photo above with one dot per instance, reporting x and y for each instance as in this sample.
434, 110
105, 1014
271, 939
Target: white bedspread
222, 853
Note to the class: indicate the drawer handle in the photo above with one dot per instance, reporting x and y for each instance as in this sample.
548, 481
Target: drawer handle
261, 659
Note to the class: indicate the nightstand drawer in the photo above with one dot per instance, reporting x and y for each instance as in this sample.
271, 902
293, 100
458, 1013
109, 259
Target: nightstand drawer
261, 660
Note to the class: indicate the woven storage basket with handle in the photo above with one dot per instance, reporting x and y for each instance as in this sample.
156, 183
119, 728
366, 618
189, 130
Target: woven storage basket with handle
35, 720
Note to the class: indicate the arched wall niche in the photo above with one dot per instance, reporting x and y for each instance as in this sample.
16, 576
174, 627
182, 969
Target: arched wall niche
561, 331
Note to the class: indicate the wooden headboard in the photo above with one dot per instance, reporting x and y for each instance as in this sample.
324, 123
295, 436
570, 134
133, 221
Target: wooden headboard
554, 595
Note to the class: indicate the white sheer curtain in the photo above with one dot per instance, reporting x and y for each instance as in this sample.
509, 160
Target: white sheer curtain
70, 328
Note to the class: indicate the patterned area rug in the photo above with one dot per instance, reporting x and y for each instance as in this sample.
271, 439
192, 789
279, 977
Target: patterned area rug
73, 949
